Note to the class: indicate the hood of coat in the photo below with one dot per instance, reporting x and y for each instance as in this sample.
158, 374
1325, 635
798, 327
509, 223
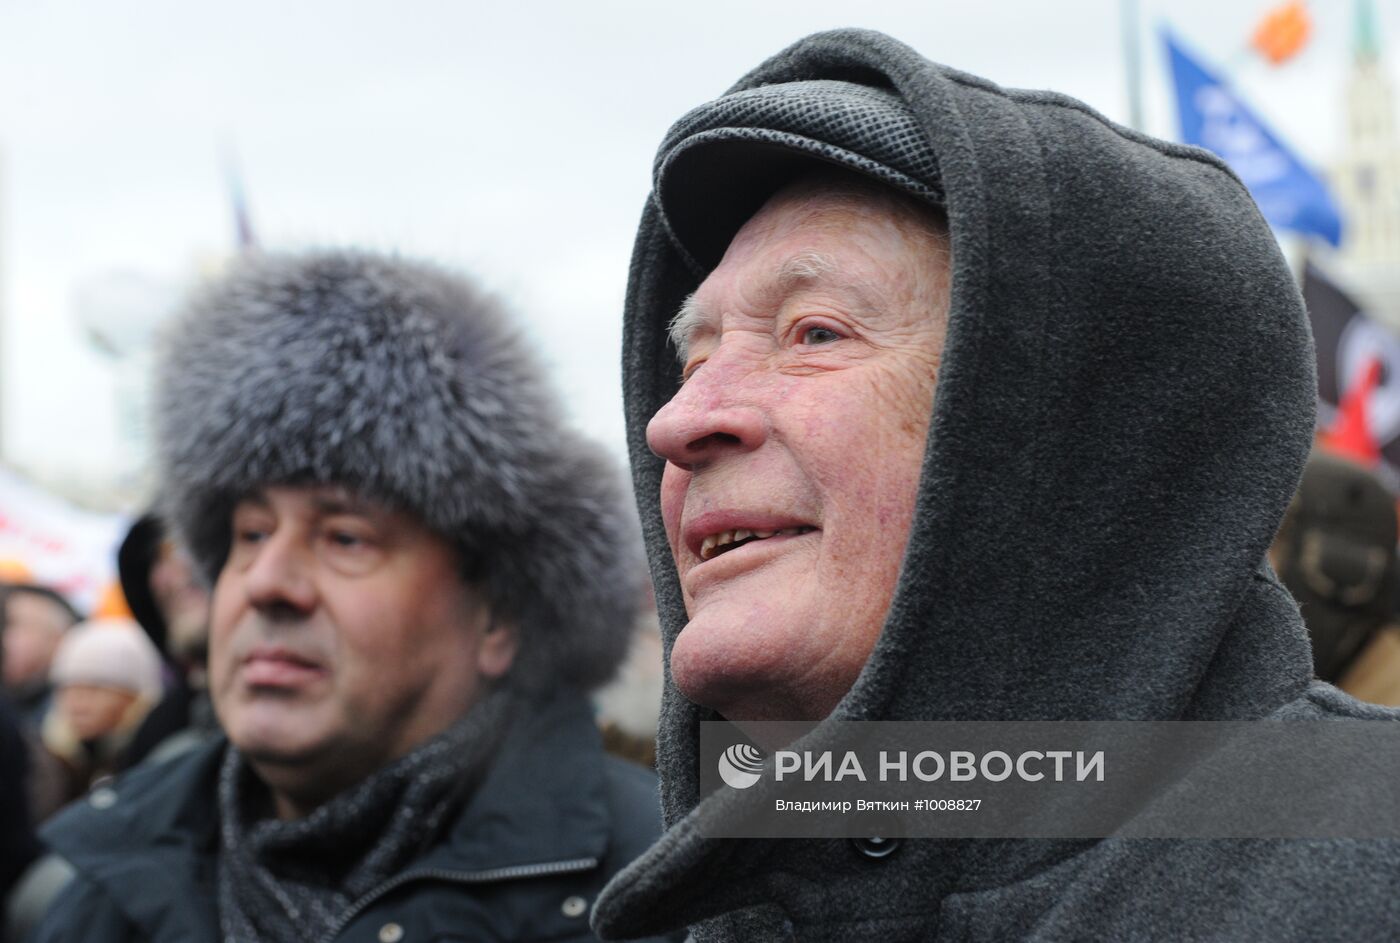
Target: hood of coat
1123, 410
136, 557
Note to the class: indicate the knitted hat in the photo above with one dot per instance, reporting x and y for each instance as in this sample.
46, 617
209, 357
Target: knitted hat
408, 385
108, 653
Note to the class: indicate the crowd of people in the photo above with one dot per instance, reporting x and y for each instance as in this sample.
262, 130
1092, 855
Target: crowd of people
946, 402
85, 699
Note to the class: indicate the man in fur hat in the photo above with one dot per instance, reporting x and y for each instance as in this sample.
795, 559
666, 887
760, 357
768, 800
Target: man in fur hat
417, 574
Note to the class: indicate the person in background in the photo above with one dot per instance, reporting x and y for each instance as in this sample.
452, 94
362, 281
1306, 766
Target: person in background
106, 677
18, 846
166, 597
629, 706
33, 619
1336, 554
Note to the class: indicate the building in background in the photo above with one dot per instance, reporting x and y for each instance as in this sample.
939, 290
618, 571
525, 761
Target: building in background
119, 313
1366, 179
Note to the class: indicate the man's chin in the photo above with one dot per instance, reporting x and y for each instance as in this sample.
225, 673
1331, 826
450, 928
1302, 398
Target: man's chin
712, 670
705, 664
302, 776
279, 750
281, 734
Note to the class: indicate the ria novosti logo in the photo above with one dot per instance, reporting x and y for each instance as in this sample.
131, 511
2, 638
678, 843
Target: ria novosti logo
741, 765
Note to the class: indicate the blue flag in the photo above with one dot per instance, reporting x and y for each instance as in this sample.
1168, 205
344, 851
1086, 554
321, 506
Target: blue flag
1289, 195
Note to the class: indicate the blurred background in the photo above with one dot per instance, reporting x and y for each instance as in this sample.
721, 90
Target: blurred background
512, 140
143, 144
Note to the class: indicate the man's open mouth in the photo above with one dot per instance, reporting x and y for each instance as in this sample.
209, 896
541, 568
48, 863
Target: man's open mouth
725, 541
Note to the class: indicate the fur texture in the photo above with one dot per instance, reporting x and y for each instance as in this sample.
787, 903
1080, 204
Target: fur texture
408, 385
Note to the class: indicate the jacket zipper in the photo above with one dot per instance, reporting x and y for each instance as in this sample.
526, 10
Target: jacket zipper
488, 876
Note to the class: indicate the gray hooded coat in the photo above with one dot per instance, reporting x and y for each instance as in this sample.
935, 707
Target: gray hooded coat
1124, 409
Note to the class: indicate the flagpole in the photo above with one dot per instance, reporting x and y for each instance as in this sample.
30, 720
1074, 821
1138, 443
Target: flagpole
1132, 61
242, 221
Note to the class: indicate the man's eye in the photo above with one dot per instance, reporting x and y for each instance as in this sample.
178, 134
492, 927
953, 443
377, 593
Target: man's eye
819, 335
352, 551
250, 535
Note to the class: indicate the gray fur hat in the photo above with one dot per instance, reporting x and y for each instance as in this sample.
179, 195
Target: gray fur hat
408, 385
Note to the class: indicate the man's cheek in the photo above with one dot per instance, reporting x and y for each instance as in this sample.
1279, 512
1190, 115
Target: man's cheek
221, 627
673, 484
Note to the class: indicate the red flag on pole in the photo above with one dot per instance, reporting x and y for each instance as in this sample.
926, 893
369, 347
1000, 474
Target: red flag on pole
1358, 377
1350, 433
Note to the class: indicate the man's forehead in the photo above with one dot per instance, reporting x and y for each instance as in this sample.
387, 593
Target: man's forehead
806, 268
802, 240
322, 498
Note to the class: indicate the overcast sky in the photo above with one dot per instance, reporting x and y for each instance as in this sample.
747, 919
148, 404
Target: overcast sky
511, 140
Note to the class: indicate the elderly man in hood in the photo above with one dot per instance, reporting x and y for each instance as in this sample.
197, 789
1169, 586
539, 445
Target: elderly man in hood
952, 402
418, 573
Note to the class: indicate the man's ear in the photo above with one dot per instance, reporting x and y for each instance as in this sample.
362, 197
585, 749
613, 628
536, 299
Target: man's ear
499, 643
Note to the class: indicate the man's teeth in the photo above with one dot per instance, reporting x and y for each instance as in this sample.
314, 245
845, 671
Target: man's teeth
715, 544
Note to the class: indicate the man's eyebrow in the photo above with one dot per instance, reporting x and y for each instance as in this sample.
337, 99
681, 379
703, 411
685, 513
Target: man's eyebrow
343, 503
802, 269
687, 321
796, 272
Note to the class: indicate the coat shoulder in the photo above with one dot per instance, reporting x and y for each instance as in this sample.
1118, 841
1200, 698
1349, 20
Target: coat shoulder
137, 807
140, 848
84, 913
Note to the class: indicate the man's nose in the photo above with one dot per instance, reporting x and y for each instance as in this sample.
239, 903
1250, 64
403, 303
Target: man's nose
280, 580
718, 411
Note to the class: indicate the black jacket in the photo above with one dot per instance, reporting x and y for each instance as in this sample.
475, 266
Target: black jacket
527, 856
17, 844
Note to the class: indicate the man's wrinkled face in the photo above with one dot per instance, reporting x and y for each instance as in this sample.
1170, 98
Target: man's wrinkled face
342, 636
794, 446
34, 625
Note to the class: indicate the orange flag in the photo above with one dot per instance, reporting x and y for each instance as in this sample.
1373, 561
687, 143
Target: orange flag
1283, 31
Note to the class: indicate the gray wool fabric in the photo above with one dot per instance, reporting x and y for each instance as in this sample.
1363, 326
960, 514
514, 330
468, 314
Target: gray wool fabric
409, 385
1124, 407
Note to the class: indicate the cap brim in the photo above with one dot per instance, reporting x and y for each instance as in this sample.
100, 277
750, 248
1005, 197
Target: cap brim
707, 193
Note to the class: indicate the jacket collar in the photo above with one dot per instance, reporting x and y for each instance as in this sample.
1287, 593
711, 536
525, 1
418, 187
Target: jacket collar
525, 812
152, 837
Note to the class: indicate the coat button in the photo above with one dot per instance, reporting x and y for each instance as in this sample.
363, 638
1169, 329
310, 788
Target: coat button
876, 847
574, 906
390, 933
103, 798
